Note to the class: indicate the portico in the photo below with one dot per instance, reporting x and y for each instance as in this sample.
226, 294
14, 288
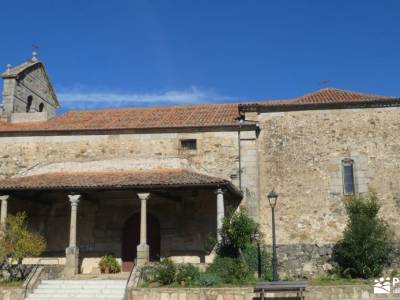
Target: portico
178, 211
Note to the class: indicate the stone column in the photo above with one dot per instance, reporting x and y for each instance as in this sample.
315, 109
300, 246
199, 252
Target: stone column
72, 252
3, 216
143, 251
220, 212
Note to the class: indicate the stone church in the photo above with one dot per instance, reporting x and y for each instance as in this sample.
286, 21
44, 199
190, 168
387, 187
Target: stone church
147, 183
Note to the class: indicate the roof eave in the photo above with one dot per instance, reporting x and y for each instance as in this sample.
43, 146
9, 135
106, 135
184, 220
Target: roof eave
94, 131
236, 193
258, 107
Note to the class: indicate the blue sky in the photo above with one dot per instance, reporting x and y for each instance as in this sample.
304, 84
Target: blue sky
148, 52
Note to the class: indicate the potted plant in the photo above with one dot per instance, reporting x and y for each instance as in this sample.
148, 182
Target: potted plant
109, 264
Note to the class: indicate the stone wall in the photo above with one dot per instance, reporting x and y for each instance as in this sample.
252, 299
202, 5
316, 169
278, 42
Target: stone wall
343, 292
303, 260
186, 218
217, 153
31, 83
11, 294
300, 157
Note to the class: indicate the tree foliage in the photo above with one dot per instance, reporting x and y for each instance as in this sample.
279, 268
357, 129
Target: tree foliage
366, 247
240, 250
238, 231
18, 242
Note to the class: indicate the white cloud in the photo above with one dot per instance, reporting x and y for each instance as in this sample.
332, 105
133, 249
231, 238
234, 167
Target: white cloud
77, 98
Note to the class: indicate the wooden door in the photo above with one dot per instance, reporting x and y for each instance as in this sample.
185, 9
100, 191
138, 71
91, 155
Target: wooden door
131, 239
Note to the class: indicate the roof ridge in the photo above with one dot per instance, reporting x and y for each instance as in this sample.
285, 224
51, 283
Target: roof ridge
341, 91
152, 107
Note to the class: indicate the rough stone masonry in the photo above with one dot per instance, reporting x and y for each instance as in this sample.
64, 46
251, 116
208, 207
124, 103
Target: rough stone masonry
295, 146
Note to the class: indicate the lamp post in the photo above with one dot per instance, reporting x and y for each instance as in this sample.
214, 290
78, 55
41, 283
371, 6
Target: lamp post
257, 238
272, 198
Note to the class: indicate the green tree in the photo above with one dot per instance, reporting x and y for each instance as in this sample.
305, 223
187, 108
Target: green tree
16, 243
238, 230
366, 247
238, 255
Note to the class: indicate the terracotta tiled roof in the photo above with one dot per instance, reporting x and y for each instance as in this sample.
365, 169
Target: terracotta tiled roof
209, 115
324, 96
190, 116
159, 178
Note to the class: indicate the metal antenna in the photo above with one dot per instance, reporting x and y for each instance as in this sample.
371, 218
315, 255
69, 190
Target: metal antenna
324, 82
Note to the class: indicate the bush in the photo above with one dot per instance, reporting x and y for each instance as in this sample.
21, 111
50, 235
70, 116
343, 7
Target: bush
366, 247
148, 273
17, 243
109, 264
250, 256
231, 270
207, 279
187, 274
238, 230
165, 272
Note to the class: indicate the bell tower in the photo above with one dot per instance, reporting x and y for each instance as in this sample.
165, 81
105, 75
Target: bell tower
28, 94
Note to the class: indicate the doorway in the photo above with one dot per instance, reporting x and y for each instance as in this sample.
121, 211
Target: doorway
131, 239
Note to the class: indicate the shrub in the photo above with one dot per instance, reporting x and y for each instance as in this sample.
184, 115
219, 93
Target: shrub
148, 273
366, 247
208, 279
238, 230
231, 270
109, 264
250, 256
187, 274
17, 243
165, 272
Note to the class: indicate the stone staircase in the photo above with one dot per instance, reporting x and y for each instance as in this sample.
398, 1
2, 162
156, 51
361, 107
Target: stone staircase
79, 289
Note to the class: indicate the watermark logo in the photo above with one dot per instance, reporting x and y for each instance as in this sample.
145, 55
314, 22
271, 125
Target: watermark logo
382, 285
387, 285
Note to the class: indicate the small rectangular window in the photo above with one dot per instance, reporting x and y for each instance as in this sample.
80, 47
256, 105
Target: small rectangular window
189, 144
348, 177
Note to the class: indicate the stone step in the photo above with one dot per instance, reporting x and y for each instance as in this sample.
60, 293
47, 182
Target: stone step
83, 282
82, 291
76, 295
79, 289
89, 286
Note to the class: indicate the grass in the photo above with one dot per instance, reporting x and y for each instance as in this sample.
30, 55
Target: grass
327, 280
11, 283
331, 280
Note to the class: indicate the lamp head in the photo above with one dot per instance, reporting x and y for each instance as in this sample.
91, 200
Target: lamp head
272, 198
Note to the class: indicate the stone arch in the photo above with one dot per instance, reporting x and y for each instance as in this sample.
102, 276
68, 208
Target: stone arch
131, 239
41, 107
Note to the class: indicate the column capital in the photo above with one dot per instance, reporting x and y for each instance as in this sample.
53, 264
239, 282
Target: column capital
143, 196
74, 199
4, 197
220, 191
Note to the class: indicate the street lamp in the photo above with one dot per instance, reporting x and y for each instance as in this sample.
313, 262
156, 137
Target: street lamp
257, 238
272, 198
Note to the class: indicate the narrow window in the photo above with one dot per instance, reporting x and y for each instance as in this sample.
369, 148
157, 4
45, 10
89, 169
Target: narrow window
348, 177
41, 107
189, 144
29, 103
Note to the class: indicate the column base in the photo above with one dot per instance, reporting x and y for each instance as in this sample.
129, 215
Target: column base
143, 254
71, 262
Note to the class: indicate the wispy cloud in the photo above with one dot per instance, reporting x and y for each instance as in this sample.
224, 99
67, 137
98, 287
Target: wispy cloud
79, 98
